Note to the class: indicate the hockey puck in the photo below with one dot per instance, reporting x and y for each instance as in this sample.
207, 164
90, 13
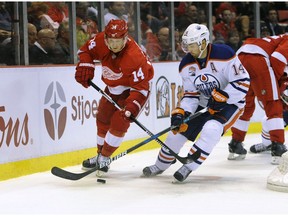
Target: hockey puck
101, 181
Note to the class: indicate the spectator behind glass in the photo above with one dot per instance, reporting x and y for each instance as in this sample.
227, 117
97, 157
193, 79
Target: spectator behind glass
244, 16
5, 18
234, 40
58, 11
148, 17
202, 18
42, 52
264, 32
241, 14
272, 23
163, 37
225, 26
190, 16
178, 48
116, 11
180, 8
131, 20
35, 12
86, 27
158, 48
38, 16
7, 49
32, 34
5, 25
131, 27
62, 49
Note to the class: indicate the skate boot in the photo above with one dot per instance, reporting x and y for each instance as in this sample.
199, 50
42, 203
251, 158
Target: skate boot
260, 147
236, 150
152, 170
96, 161
182, 173
277, 150
278, 178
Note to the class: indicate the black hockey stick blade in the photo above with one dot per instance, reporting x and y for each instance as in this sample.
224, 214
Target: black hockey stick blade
69, 175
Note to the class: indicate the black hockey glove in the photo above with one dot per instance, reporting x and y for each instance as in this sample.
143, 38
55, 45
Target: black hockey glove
217, 101
177, 119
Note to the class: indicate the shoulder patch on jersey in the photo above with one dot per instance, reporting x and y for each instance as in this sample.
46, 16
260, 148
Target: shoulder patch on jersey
187, 59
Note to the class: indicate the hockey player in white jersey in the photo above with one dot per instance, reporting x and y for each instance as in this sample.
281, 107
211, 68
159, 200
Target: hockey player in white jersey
212, 77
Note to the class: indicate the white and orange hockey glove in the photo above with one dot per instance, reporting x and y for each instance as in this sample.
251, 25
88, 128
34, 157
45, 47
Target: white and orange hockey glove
177, 119
217, 101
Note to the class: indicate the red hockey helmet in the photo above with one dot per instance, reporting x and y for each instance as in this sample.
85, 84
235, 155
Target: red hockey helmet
116, 29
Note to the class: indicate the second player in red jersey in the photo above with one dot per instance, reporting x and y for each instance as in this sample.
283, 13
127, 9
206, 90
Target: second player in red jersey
265, 59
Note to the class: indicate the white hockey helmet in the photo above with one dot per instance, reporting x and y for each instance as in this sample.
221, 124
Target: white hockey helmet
195, 33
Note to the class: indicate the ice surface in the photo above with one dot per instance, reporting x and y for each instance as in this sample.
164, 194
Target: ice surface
218, 187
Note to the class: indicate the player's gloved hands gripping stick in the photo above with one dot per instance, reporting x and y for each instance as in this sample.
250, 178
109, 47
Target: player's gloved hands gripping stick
84, 72
134, 104
217, 101
177, 119
131, 109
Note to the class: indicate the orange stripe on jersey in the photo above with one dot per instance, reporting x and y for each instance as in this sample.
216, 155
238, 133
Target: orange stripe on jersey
191, 93
243, 84
232, 120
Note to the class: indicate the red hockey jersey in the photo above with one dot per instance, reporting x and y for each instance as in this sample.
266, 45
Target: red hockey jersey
274, 48
128, 69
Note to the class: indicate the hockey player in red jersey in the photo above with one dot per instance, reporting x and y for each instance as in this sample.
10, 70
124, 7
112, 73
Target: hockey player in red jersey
126, 71
265, 59
212, 77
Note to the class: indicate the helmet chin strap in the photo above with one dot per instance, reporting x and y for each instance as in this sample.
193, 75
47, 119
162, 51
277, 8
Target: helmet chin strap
201, 52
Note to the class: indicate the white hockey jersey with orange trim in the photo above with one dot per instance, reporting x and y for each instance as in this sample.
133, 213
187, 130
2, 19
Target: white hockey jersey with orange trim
221, 69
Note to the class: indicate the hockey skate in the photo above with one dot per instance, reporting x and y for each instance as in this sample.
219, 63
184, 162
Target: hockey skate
96, 161
278, 178
260, 147
236, 150
277, 150
152, 170
182, 173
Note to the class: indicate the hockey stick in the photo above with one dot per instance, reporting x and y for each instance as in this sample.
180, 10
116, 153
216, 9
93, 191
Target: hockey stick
183, 160
76, 176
